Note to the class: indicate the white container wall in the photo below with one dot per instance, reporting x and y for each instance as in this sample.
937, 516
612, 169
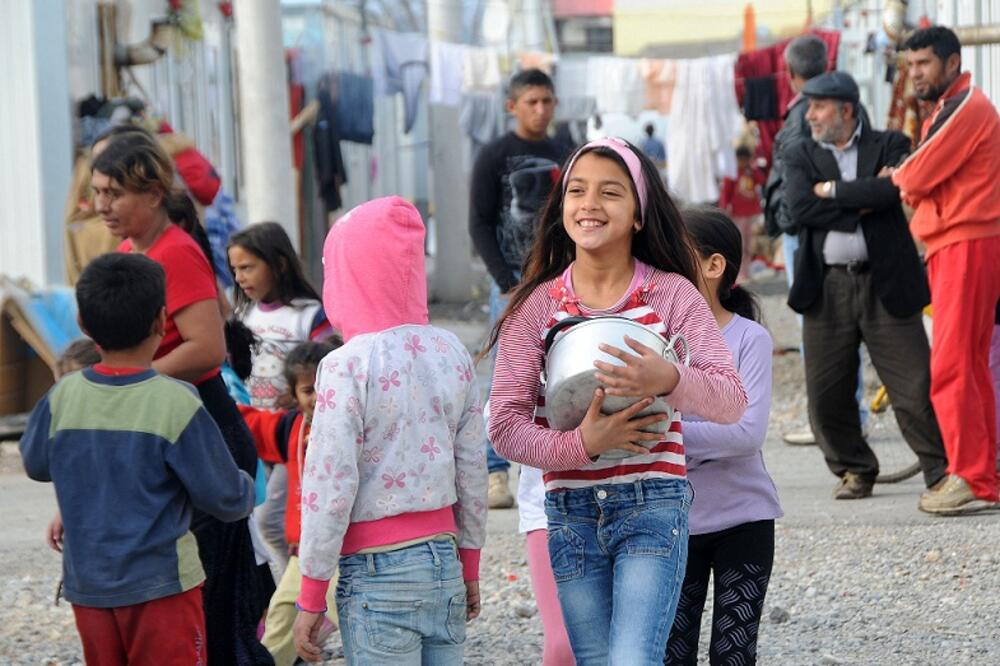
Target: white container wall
34, 139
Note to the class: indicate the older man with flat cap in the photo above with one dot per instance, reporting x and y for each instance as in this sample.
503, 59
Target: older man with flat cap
858, 278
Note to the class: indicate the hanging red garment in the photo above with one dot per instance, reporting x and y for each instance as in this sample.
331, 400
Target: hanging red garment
296, 102
770, 62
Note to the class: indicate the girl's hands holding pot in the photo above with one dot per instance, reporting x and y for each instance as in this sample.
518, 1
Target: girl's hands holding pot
619, 430
646, 374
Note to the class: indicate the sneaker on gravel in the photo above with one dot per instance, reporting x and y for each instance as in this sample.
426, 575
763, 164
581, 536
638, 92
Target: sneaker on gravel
952, 497
499, 496
852, 486
800, 438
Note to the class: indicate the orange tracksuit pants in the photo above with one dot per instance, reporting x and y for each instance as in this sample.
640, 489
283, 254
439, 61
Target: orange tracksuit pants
965, 287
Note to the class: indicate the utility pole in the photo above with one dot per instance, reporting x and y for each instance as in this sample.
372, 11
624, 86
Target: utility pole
264, 123
451, 281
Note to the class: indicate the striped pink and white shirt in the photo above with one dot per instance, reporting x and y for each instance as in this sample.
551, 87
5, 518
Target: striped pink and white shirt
665, 302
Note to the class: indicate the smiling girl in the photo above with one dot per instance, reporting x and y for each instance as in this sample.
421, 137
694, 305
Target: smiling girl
611, 242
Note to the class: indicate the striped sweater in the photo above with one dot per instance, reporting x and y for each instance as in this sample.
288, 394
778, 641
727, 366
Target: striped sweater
665, 302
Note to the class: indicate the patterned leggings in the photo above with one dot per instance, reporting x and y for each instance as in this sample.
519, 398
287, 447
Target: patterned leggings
741, 559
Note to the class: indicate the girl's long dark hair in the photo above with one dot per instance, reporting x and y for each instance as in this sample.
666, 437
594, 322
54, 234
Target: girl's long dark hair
712, 232
662, 242
269, 242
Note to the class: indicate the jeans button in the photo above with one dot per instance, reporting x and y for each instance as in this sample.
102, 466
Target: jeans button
602, 494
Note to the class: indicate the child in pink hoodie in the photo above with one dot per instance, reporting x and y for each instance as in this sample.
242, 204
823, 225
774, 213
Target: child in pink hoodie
394, 489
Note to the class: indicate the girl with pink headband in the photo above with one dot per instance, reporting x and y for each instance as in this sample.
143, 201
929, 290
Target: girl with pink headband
611, 242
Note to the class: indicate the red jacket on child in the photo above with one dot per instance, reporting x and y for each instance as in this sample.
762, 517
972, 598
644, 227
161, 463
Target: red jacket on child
741, 195
277, 435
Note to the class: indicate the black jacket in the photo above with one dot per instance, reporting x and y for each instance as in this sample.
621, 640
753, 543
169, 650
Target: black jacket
898, 275
793, 130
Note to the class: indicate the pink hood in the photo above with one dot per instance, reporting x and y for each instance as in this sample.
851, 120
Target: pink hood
373, 268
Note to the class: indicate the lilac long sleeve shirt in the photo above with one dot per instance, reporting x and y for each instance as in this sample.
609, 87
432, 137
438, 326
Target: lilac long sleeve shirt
725, 462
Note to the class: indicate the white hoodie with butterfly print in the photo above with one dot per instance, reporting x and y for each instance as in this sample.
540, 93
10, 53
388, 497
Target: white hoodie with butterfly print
396, 451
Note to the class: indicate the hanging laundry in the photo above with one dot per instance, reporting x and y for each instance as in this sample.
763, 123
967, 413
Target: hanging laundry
575, 108
704, 124
770, 61
571, 78
616, 84
660, 77
481, 118
355, 106
447, 62
537, 60
760, 99
480, 70
330, 171
401, 67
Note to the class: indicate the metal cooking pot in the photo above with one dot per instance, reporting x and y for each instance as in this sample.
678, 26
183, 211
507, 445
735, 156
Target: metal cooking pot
569, 381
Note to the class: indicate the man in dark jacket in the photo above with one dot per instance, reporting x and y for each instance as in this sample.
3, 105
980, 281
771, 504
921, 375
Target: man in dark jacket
857, 278
805, 58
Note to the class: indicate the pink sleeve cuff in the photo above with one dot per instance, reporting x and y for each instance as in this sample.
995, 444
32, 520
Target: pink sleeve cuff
470, 564
312, 598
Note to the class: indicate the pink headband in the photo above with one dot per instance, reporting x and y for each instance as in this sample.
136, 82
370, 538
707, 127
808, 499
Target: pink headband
622, 149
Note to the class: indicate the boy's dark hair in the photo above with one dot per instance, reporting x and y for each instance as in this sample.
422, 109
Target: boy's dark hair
743, 151
269, 242
649, 129
307, 357
526, 79
82, 352
241, 344
712, 232
119, 297
942, 41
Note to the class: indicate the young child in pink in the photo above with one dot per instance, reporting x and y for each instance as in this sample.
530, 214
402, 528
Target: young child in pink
394, 484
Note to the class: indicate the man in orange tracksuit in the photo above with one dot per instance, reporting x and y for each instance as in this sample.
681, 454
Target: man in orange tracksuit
952, 182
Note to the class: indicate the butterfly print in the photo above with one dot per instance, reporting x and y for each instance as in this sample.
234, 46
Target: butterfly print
413, 345
430, 448
324, 400
398, 480
392, 379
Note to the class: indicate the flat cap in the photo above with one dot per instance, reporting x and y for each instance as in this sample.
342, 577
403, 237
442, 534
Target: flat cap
833, 85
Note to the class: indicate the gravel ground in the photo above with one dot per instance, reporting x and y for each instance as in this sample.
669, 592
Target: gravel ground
871, 582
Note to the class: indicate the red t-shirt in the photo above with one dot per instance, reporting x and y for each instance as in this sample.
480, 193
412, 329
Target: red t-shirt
189, 280
741, 196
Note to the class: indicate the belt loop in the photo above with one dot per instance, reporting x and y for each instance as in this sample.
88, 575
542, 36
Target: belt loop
370, 561
638, 492
435, 554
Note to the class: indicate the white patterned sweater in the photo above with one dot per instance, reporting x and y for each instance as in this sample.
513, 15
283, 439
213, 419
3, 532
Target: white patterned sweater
396, 450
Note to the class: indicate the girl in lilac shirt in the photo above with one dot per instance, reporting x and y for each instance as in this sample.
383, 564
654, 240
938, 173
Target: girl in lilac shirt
732, 516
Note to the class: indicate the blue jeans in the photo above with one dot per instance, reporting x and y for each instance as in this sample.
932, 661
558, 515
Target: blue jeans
404, 607
618, 554
790, 244
494, 462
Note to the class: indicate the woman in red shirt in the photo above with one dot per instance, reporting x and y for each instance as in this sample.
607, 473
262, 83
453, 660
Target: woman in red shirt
133, 183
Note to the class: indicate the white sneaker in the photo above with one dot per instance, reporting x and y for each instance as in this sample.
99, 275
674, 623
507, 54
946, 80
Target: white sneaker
800, 438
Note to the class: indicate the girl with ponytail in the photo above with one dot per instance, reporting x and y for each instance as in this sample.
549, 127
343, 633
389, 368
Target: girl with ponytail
731, 521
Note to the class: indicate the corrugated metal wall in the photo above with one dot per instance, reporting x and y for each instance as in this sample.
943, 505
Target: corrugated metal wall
982, 61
